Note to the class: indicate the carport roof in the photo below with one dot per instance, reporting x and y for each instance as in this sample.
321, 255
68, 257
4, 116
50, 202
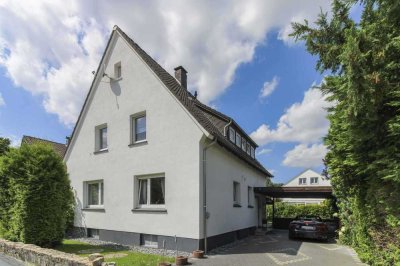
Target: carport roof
295, 192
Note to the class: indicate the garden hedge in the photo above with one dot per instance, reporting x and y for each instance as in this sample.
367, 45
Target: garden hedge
35, 195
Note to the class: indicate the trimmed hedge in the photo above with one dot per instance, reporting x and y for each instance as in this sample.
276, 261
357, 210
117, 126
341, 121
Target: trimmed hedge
35, 195
325, 210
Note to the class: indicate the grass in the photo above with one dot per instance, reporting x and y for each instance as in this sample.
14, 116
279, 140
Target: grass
132, 258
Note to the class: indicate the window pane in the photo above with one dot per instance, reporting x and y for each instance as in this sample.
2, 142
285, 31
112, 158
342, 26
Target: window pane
103, 138
253, 152
101, 193
232, 135
93, 191
140, 128
142, 191
157, 187
248, 148
238, 140
243, 144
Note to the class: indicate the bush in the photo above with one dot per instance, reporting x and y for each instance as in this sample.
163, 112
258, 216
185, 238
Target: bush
324, 210
35, 195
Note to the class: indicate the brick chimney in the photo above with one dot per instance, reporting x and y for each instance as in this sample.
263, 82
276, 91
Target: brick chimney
180, 75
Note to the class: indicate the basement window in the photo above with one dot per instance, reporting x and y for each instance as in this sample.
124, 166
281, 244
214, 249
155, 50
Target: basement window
149, 240
93, 233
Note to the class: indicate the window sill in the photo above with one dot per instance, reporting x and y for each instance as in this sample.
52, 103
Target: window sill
237, 205
101, 151
94, 209
149, 210
138, 143
250, 206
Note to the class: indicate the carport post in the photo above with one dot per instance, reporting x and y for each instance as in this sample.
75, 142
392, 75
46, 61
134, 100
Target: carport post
273, 211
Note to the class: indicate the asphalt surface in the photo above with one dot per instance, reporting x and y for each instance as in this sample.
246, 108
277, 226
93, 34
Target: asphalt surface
275, 248
9, 261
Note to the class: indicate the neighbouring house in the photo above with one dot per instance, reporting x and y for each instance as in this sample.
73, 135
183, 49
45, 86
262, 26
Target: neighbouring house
307, 178
151, 165
59, 148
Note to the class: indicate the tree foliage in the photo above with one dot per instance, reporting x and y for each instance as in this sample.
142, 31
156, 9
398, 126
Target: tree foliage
4, 145
35, 195
362, 60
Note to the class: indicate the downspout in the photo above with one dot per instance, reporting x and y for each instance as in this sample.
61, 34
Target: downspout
205, 214
227, 125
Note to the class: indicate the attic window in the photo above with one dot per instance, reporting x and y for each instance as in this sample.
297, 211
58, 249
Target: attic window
238, 140
232, 134
244, 144
117, 70
248, 148
253, 152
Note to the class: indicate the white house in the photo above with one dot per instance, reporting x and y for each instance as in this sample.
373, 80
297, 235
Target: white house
307, 178
151, 165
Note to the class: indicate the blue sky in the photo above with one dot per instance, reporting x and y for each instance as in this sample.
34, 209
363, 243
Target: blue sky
42, 94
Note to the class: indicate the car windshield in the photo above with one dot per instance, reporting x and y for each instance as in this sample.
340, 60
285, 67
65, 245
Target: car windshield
308, 218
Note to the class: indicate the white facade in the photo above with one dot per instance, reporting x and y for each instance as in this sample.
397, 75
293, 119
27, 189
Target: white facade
173, 149
308, 178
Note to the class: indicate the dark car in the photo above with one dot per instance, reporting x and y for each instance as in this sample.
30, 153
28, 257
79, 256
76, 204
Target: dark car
308, 227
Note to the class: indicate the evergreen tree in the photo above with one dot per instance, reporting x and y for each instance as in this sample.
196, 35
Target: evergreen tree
362, 60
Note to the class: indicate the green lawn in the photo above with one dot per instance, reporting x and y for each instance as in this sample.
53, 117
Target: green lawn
132, 258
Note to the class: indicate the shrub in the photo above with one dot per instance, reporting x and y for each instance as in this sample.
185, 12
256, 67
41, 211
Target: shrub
324, 210
35, 195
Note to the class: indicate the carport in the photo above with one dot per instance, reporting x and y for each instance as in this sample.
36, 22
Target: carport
273, 193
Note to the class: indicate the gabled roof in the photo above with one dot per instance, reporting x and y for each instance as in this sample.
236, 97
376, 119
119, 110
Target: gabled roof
193, 106
298, 175
59, 148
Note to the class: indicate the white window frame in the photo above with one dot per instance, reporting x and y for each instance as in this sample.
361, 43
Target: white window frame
236, 193
314, 178
232, 134
100, 193
303, 178
117, 70
137, 191
133, 127
244, 144
98, 139
238, 140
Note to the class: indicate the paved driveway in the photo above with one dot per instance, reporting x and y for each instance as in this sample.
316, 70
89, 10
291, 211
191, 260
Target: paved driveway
275, 248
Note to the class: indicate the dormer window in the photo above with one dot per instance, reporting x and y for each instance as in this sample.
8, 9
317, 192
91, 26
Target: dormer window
244, 146
232, 134
252, 152
117, 70
248, 148
238, 140
302, 181
314, 180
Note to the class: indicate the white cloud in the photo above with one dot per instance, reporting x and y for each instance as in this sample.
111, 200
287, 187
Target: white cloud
305, 156
269, 87
263, 151
49, 48
2, 102
303, 122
